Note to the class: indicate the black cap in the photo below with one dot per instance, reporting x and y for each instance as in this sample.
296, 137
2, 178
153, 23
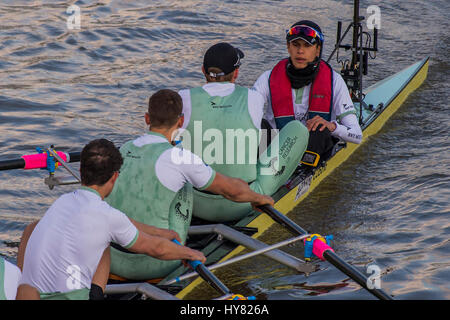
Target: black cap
223, 56
308, 23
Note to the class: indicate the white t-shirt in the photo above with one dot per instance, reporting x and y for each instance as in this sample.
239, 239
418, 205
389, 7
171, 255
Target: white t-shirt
65, 248
223, 89
347, 128
177, 166
10, 279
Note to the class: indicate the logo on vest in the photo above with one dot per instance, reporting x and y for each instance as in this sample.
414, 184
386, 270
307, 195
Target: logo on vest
130, 155
279, 173
287, 146
347, 107
185, 217
272, 166
215, 106
318, 96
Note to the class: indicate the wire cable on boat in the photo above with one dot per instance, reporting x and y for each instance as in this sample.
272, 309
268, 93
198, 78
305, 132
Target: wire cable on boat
240, 258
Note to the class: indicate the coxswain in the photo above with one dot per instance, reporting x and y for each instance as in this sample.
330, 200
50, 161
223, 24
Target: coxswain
304, 87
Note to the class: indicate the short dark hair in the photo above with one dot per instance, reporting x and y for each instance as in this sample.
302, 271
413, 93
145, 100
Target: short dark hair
99, 160
164, 108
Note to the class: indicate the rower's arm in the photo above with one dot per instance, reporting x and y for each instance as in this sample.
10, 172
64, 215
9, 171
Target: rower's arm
23, 243
164, 249
237, 190
261, 85
347, 124
155, 231
348, 129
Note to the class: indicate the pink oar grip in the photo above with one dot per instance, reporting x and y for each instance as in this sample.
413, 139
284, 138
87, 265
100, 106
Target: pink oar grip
319, 247
39, 160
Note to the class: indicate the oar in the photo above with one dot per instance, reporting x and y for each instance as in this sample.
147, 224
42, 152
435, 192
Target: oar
327, 254
207, 275
35, 161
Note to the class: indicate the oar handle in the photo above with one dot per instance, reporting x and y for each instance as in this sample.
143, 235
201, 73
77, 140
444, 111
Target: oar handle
193, 263
206, 274
283, 220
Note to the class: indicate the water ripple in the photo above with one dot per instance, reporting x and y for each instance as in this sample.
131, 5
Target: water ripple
388, 204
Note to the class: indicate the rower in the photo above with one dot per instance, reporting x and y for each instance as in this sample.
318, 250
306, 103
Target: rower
304, 87
9, 280
67, 254
155, 185
222, 126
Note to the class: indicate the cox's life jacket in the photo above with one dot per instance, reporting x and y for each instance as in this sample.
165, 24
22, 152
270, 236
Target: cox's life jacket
320, 95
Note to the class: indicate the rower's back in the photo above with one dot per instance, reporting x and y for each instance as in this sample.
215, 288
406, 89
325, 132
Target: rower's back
222, 122
141, 195
154, 186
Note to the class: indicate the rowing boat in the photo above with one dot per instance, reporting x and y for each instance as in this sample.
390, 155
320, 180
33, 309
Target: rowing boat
222, 244
375, 105
381, 100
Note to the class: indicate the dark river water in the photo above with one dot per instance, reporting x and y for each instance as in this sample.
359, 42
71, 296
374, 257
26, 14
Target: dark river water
388, 205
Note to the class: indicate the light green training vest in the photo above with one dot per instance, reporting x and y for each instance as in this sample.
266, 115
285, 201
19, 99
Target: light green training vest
227, 124
80, 294
141, 196
2, 280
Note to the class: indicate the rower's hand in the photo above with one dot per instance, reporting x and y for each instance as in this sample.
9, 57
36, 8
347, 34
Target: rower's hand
170, 234
321, 123
263, 200
198, 255
194, 255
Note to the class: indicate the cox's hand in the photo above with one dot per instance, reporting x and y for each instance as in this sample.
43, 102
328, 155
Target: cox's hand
321, 123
